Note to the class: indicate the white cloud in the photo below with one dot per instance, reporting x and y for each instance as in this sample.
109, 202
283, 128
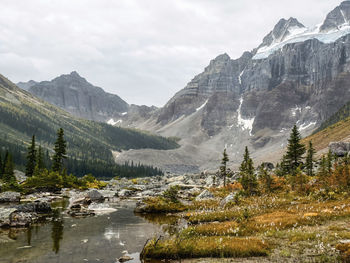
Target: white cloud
144, 51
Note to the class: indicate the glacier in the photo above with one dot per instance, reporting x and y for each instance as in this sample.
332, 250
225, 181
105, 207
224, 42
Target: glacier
301, 35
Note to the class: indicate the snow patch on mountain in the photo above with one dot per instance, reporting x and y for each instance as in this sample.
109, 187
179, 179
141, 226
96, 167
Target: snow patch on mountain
246, 124
301, 35
305, 126
112, 122
295, 110
202, 106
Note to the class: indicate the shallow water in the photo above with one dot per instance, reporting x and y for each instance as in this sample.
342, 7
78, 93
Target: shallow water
101, 238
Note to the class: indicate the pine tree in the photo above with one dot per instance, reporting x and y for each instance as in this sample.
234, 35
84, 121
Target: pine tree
266, 178
40, 159
322, 173
9, 174
295, 151
0, 166
330, 159
223, 166
60, 151
247, 174
31, 158
310, 160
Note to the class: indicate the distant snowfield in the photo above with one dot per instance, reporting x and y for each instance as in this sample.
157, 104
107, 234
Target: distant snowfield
298, 34
246, 124
202, 106
112, 122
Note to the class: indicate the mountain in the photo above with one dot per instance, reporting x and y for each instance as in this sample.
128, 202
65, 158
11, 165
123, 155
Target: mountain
296, 75
22, 115
76, 95
26, 85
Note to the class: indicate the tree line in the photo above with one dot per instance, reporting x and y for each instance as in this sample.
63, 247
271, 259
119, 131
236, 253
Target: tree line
296, 169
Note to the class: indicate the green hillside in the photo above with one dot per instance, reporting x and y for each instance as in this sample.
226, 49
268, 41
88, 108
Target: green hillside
22, 115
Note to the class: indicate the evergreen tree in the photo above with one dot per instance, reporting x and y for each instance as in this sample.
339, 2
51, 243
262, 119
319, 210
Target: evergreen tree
330, 159
40, 159
223, 166
60, 151
247, 174
322, 173
266, 178
310, 160
9, 174
4, 162
31, 158
0, 166
295, 151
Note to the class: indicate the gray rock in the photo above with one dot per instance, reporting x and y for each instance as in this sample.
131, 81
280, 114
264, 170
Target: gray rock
35, 207
141, 207
228, 199
20, 176
95, 196
22, 219
5, 214
204, 195
124, 193
7, 197
340, 148
125, 258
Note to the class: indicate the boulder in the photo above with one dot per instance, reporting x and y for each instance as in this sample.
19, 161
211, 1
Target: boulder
268, 166
205, 195
80, 212
7, 197
125, 193
22, 219
95, 196
228, 199
5, 214
20, 176
141, 207
35, 207
125, 258
210, 181
340, 148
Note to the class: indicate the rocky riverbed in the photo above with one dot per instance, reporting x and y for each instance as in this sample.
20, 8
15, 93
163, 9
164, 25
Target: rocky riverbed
23, 210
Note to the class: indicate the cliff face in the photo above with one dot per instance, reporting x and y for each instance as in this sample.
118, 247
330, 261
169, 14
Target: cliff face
74, 94
297, 75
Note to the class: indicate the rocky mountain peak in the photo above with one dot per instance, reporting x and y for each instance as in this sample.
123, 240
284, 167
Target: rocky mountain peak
76, 95
75, 74
282, 30
338, 17
26, 85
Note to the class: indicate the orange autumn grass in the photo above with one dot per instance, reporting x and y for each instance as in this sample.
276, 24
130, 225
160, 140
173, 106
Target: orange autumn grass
200, 247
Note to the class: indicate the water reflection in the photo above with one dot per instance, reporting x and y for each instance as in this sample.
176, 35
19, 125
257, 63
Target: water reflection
29, 236
57, 231
103, 238
169, 223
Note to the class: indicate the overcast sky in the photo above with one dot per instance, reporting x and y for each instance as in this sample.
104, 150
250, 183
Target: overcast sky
142, 50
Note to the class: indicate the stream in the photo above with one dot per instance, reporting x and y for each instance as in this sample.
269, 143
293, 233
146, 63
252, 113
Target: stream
101, 238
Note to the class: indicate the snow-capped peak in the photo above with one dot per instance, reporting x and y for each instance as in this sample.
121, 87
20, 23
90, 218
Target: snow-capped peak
336, 25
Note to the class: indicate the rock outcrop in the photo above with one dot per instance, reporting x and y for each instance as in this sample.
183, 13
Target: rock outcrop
340, 149
74, 94
8, 197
